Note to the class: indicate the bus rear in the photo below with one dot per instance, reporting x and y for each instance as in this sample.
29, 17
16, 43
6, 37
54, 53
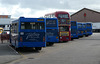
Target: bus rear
52, 31
64, 25
74, 30
31, 33
89, 28
84, 29
80, 30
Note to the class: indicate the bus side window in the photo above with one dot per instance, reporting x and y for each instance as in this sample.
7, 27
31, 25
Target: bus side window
12, 28
16, 28
53, 16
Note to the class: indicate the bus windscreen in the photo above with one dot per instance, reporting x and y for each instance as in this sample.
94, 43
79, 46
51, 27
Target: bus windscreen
64, 28
73, 23
88, 25
63, 21
84, 26
32, 25
63, 16
51, 23
79, 25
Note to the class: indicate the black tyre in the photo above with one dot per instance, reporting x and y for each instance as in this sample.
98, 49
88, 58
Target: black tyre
17, 49
86, 35
72, 39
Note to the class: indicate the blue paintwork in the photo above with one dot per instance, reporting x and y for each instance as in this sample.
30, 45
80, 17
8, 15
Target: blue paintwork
52, 31
80, 30
30, 37
84, 28
89, 29
74, 30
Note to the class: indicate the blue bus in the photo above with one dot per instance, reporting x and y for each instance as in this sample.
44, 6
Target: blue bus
80, 30
74, 30
84, 28
89, 29
28, 32
52, 30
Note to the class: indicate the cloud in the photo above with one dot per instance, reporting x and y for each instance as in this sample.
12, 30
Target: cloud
38, 4
79, 4
15, 11
37, 8
9, 2
55, 4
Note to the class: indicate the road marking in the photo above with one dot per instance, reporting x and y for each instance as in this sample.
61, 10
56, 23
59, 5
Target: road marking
12, 49
22, 55
17, 60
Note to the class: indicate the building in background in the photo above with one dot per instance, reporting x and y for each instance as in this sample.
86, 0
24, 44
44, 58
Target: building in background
88, 15
5, 21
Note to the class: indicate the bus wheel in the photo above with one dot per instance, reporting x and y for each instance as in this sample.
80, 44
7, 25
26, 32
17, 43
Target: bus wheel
78, 37
72, 39
38, 48
47, 44
17, 49
86, 35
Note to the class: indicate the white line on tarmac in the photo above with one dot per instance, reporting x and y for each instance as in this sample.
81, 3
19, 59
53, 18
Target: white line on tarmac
12, 49
23, 56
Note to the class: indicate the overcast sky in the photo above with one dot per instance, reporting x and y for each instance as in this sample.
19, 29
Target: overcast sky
38, 8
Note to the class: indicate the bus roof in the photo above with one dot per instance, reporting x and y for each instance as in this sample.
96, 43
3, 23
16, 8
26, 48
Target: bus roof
52, 18
26, 19
57, 12
73, 21
79, 23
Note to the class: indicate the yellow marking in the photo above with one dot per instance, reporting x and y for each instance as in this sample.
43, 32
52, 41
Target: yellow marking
22, 55
20, 59
40, 19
